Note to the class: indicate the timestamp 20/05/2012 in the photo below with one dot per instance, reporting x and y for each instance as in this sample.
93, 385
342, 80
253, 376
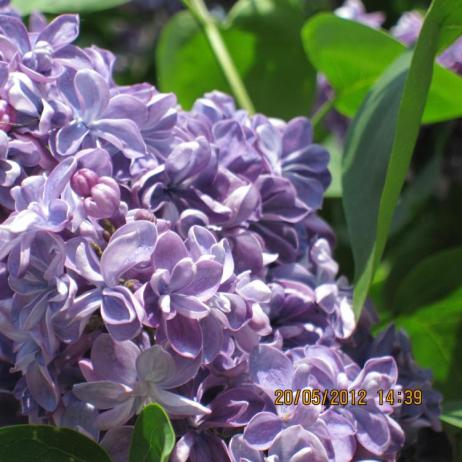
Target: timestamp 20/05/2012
343, 397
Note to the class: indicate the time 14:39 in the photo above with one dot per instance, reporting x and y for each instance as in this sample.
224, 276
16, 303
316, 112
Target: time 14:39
404, 396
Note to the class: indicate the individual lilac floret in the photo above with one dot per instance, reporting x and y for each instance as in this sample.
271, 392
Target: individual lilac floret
38, 206
43, 56
122, 380
292, 153
272, 370
183, 294
130, 247
94, 117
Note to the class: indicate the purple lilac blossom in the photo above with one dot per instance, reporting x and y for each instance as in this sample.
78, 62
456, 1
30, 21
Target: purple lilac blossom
151, 254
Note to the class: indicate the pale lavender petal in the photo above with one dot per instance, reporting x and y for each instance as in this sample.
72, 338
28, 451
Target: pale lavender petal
155, 365
185, 335
121, 312
114, 360
206, 280
103, 394
270, 368
169, 250
372, 430
92, 92
182, 275
82, 259
200, 241
241, 451
70, 138
42, 387
117, 416
62, 31
117, 443
177, 405
295, 444
58, 179
213, 338
14, 29
262, 430
189, 306
129, 246
124, 134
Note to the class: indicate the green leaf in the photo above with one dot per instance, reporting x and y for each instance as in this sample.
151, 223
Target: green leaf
353, 56
436, 334
42, 443
379, 148
433, 278
452, 413
64, 6
452, 27
258, 35
333, 145
417, 193
153, 437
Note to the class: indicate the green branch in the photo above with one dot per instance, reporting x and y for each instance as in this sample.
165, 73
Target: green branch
200, 12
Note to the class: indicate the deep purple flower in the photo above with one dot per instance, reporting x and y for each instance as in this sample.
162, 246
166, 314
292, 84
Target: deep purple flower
411, 376
292, 153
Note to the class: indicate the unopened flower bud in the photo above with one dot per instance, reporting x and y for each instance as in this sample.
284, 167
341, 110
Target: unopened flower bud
83, 180
104, 199
143, 214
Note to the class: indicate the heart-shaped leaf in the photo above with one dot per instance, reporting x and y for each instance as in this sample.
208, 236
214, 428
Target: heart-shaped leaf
153, 438
353, 56
64, 6
43, 443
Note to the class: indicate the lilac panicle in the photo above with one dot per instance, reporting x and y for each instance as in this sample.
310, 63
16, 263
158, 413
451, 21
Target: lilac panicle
152, 254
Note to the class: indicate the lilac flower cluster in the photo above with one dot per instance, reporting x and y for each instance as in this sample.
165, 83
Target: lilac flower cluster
150, 254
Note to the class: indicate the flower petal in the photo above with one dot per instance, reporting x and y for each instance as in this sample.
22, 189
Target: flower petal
262, 430
129, 246
62, 31
103, 394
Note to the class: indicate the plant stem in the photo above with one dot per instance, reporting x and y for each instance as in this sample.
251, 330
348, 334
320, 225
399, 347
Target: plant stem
321, 113
199, 10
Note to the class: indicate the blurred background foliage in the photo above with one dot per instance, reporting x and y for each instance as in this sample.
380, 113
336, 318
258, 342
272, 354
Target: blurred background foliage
418, 284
